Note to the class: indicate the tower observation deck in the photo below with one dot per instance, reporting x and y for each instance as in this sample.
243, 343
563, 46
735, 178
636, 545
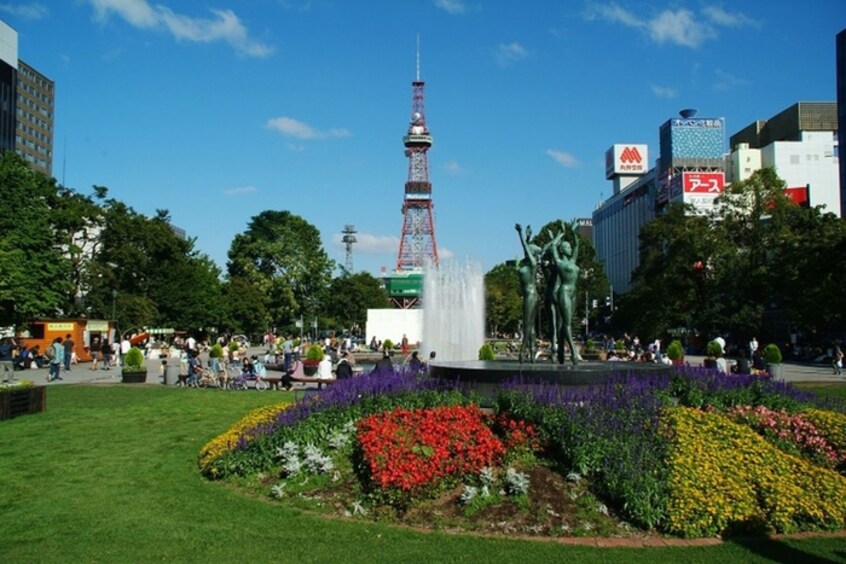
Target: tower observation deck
417, 242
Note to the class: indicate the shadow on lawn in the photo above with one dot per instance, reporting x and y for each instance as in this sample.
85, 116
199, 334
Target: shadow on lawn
779, 551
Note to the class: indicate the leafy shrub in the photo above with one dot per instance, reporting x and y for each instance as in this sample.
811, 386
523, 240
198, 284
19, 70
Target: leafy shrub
713, 349
314, 352
590, 346
388, 345
675, 350
216, 351
723, 478
772, 354
486, 352
233, 346
619, 345
134, 359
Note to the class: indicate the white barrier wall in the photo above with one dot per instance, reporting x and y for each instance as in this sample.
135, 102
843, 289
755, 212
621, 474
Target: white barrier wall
393, 324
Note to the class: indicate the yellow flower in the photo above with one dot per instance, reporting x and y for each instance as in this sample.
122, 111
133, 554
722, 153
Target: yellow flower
226, 442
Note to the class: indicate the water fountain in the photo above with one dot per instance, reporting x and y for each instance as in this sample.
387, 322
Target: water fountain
454, 327
453, 311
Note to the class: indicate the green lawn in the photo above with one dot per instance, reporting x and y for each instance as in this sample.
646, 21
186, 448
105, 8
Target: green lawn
109, 474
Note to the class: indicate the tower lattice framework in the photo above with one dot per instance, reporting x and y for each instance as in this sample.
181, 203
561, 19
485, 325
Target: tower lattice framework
417, 242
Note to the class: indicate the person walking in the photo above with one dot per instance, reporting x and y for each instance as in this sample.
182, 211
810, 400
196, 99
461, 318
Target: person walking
106, 349
95, 352
837, 360
58, 358
68, 345
7, 366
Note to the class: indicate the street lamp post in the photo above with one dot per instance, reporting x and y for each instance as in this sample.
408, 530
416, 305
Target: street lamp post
114, 298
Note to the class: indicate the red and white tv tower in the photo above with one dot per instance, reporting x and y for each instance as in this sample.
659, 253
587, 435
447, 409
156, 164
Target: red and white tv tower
417, 242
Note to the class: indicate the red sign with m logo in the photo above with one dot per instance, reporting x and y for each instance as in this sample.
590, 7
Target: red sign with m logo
630, 155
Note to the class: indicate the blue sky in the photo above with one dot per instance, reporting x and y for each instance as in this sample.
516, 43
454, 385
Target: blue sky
219, 109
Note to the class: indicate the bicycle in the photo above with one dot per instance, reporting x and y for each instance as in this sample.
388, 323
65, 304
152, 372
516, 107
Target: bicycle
242, 381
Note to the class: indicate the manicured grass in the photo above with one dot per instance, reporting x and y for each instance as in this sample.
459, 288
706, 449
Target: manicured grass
836, 391
109, 474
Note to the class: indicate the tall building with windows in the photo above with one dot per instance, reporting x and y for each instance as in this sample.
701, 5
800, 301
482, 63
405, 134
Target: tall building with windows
841, 111
27, 101
800, 143
34, 130
8, 85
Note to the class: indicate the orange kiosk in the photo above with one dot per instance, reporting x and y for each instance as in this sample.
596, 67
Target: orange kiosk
43, 331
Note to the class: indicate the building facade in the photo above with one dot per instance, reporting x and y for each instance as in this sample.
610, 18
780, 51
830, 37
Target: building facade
800, 143
841, 110
34, 129
8, 85
690, 169
27, 102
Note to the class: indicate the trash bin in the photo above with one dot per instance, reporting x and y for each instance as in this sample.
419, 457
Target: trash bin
171, 374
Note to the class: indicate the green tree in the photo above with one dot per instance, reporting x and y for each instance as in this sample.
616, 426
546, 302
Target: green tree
282, 256
243, 308
76, 219
674, 285
348, 299
503, 304
33, 271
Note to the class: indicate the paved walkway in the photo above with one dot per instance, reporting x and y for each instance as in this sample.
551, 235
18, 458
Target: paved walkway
82, 373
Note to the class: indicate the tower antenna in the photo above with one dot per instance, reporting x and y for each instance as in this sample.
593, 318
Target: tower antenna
417, 242
348, 240
418, 57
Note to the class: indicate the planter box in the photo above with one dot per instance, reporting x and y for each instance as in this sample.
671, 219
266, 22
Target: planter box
310, 367
776, 371
134, 377
22, 401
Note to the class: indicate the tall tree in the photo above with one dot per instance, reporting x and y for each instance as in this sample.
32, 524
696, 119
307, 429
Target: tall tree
349, 298
503, 303
282, 256
673, 286
33, 270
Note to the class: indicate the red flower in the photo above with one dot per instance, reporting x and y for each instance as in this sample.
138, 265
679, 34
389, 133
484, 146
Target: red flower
407, 449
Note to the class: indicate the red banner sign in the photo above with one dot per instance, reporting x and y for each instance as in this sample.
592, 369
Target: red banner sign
704, 182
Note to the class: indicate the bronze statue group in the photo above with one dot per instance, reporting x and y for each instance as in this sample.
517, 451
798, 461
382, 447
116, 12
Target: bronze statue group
556, 261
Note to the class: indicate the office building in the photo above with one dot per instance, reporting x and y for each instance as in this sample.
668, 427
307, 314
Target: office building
27, 100
35, 105
800, 143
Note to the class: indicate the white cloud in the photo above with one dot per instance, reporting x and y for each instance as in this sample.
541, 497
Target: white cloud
240, 190
663, 91
451, 6
720, 17
512, 52
679, 27
224, 26
30, 11
453, 167
726, 81
369, 244
291, 127
563, 158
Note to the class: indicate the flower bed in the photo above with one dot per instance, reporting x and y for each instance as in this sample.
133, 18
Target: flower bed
411, 449
692, 453
240, 433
